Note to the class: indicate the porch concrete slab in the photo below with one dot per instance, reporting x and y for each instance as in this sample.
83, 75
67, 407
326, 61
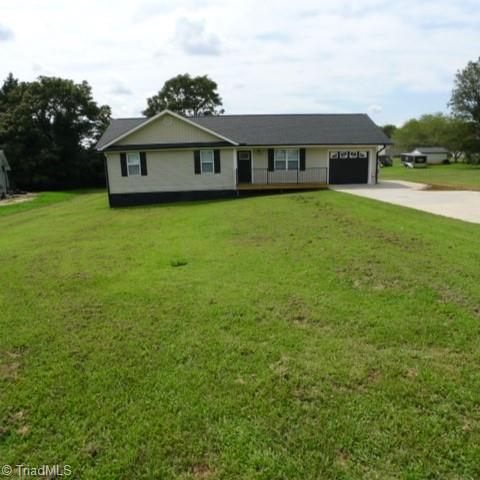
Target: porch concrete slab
459, 204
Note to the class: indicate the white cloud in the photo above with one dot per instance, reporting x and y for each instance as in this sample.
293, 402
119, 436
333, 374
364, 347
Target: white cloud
5, 34
303, 56
375, 108
273, 37
120, 89
194, 38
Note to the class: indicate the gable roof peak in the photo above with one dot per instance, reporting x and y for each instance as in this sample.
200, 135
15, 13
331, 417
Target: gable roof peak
106, 140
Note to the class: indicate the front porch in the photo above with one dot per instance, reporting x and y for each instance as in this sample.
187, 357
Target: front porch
281, 186
265, 179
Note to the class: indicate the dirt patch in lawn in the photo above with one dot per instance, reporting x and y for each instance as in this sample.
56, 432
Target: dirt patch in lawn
18, 199
443, 186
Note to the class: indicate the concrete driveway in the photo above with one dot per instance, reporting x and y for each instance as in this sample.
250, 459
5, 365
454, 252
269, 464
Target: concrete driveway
460, 204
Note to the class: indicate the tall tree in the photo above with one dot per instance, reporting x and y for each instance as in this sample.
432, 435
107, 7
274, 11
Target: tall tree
190, 96
435, 130
389, 130
465, 99
48, 128
458, 137
11, 83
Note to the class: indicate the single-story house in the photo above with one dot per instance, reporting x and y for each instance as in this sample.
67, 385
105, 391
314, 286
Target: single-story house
171, 157
434, 154
4, 169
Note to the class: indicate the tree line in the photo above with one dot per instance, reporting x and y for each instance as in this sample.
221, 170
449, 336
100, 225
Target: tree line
49, 127
458, 131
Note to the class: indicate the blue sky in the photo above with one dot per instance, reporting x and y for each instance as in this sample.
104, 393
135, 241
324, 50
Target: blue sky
392, 59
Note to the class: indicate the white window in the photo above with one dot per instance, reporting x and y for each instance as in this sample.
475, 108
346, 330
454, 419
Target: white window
333, 155
287, 159
343, 154
362, 154
133, 163
207, 161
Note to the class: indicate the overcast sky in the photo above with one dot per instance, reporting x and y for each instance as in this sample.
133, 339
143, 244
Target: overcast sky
391, 59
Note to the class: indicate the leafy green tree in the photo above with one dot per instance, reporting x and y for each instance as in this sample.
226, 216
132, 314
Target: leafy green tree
458, 137
465, 99
389, 130
49, 128
190, 96
437, 129
9, 85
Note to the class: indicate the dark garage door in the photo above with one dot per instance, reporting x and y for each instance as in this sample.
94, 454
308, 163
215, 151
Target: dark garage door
348, 167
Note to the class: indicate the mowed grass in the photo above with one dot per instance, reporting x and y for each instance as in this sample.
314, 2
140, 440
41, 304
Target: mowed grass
41, 200
304, 336
455, 175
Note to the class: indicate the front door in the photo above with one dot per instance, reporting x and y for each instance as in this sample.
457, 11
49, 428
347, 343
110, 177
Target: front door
244, 166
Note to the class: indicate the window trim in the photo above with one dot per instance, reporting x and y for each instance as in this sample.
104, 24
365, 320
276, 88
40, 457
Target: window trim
133, 164
202, 152
347, 154
286, 150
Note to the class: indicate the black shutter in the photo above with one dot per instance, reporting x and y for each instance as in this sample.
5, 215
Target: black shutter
143, 163
302, 159
271, 163
123, 164
216, 159
196, 158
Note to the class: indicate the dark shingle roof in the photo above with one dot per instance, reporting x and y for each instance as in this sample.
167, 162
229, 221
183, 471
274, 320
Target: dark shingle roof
291, 129
322, 129
118, 127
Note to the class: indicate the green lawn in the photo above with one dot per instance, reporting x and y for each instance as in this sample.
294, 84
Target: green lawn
455, 175
41, 200
304, 336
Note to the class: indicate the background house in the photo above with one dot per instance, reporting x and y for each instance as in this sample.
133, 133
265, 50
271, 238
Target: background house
4, 169
435, 155
414, 159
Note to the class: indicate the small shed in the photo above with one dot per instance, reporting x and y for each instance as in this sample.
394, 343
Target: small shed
4, 169
435, 155
414, 159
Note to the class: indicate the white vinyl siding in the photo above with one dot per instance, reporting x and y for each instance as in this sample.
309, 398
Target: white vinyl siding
171, 171
168, 129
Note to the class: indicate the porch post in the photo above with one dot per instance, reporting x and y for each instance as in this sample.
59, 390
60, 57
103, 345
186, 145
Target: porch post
235, 169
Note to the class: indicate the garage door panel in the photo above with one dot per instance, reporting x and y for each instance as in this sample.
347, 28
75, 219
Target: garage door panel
348, 170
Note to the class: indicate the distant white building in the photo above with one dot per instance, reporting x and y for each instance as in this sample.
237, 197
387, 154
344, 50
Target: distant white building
433, 154
4, 169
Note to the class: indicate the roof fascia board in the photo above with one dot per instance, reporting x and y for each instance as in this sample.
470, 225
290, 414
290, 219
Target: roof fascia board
309, 145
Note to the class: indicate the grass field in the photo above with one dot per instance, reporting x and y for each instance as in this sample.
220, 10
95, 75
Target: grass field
455, 175
304, 336
41, 200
